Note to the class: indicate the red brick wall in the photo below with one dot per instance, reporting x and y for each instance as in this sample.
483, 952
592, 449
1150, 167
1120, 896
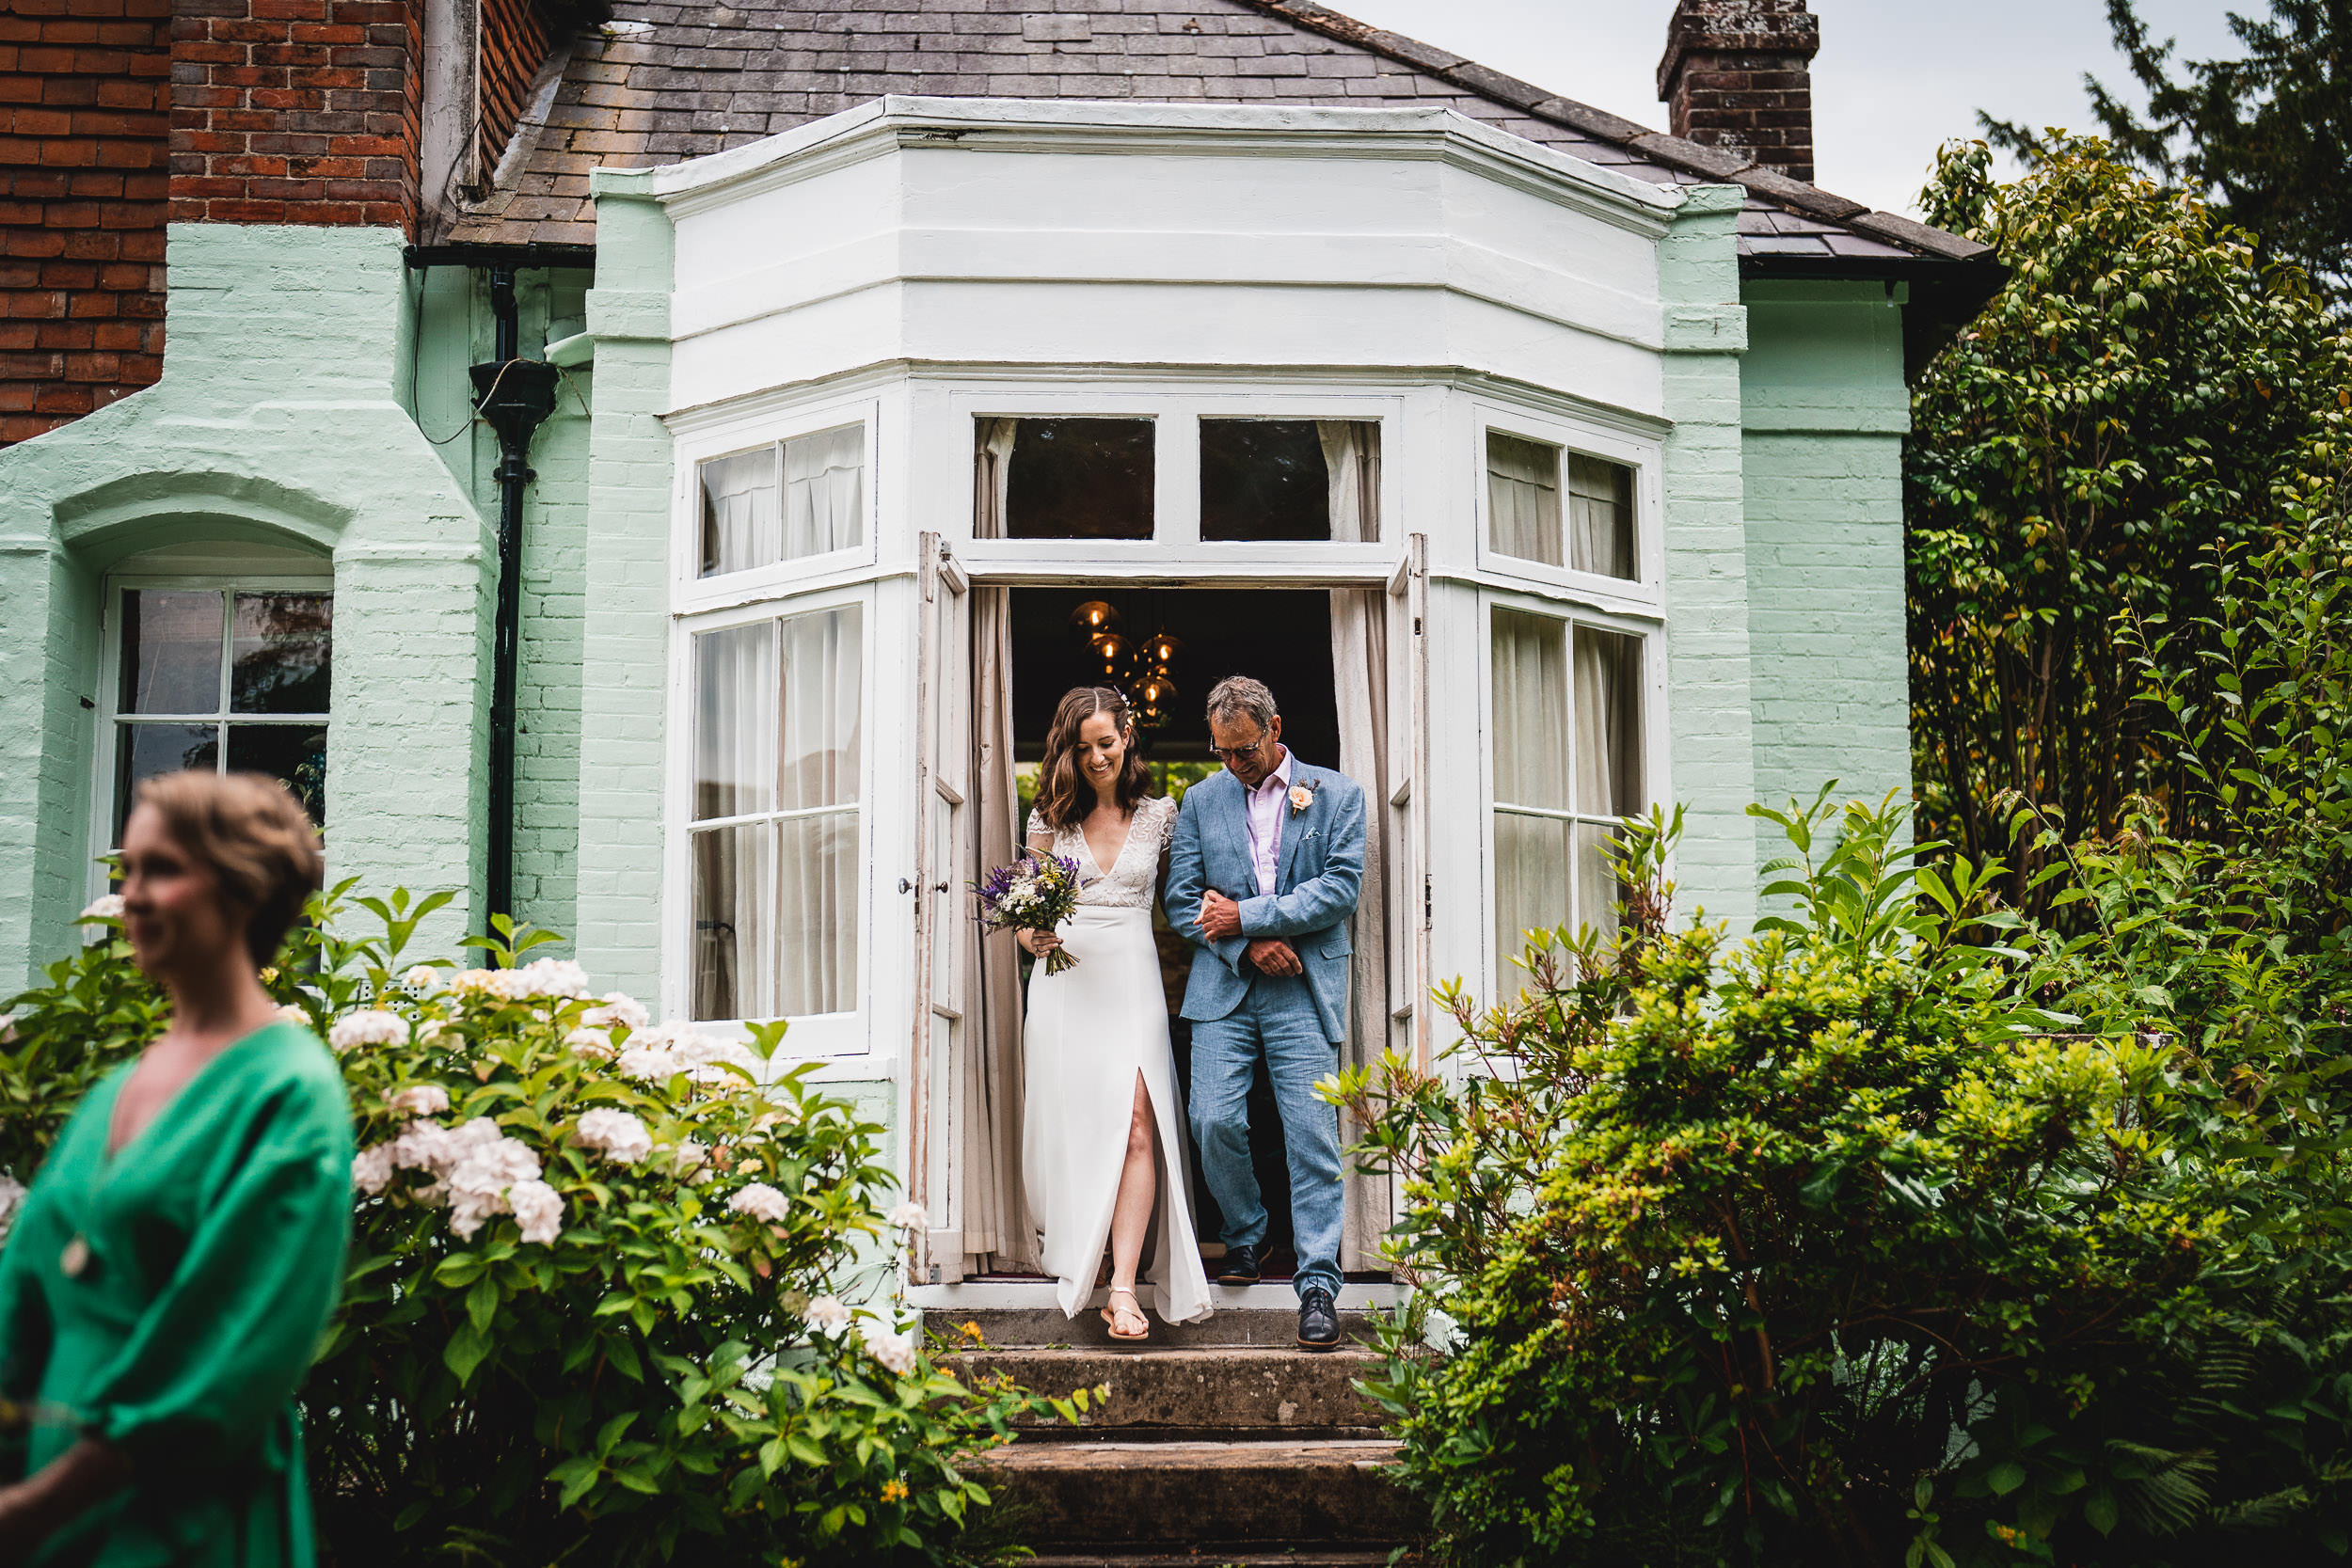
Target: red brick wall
295, 111
83, 90
515, 39
1737, 75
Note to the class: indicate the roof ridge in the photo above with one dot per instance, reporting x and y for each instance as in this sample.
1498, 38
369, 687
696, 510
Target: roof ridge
1676, 153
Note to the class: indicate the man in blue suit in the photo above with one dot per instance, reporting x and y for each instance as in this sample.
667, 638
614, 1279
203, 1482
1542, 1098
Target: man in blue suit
1269, 855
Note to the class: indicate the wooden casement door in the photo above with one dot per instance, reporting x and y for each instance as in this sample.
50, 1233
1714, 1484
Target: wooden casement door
1413, 896
944, 828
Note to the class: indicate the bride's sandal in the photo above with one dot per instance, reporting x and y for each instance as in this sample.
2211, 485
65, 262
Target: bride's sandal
1110, 1316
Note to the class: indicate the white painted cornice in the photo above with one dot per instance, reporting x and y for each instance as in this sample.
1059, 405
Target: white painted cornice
892, 124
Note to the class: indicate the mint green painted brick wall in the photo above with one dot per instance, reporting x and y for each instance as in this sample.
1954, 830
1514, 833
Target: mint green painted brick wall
1825, 413
280, 418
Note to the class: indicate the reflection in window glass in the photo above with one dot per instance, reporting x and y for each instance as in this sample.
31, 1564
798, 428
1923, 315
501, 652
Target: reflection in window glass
1080, 479
1568, 764
774, 854
183, 650
804, 496
1264, 479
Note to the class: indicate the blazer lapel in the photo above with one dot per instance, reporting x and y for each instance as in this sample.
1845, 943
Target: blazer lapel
1234, 827
1294, 827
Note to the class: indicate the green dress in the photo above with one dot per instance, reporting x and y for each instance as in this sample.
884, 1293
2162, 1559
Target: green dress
168, 1299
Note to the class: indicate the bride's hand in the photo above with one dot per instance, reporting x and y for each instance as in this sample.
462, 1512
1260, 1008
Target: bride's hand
1039, 944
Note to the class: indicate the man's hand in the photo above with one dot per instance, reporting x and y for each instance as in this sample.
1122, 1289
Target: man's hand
1274, 956
1219, 916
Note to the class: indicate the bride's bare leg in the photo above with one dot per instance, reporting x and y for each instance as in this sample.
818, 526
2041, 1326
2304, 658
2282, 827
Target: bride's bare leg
1130, 1214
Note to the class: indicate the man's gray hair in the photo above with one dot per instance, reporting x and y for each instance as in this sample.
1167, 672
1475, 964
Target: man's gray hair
1240, 697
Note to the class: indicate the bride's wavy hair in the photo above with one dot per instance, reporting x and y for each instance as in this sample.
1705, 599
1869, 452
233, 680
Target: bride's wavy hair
1063, 799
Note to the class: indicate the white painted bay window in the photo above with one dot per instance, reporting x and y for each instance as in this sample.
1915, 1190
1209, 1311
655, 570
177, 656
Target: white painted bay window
1555, 513
1568, 739
787, 500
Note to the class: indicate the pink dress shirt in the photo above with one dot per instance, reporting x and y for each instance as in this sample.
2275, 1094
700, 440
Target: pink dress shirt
1265, 823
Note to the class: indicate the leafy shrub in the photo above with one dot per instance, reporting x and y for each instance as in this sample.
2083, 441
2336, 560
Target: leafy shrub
587, 1314
1821, 1247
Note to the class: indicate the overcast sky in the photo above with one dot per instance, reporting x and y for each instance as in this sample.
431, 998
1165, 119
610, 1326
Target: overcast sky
1894, 77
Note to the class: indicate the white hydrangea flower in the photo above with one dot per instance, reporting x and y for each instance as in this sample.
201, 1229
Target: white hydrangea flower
894, 1351
592, 1045
430, 1030
649, 1064
106, 906
473, 1164
369, 1027
8, 1028
691, 1155
371, 1168
420, 1099
292, 1014
618, 1134
618, 1009
538, 1211
761, 1202
908, 1216
424, 977
827, 1315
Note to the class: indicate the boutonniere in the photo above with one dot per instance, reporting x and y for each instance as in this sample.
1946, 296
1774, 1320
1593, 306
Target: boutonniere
1302, 796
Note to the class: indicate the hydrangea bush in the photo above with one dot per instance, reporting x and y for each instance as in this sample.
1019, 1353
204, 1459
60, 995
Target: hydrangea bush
602, 1302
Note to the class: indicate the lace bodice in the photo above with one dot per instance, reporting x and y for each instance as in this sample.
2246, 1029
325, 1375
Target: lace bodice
1130, 883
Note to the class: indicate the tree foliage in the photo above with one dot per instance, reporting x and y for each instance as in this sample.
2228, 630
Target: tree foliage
2266, 137
2141, 390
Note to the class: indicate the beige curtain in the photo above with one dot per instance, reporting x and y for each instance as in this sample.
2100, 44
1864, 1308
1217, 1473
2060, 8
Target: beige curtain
1600, 517
1608, 759
816, 788
1359, 666
822, 477
998, 1235
1534, 836
735, 776
741, 525
1523, 499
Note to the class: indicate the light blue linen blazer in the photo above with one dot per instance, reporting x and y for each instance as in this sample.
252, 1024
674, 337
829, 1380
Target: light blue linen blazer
1318, 875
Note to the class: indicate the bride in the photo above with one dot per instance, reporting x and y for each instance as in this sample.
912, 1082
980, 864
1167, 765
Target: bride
1099, 1145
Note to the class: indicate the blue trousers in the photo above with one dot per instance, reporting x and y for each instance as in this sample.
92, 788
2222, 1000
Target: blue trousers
1276, 1020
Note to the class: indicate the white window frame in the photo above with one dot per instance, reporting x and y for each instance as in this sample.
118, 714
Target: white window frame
1503, 976
108, 707
817, 1037
748, 432
1647, 595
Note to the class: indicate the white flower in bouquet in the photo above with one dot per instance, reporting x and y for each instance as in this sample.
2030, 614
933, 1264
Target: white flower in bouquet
894, 1351
908, 1216
420, 1099
761, 1202
827, 1315
621, 1137
369, 1027
538, 1211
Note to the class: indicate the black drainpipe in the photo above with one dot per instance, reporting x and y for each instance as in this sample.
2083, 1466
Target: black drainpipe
512, 394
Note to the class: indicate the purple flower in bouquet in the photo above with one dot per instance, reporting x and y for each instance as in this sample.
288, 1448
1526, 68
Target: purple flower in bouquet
1035, 893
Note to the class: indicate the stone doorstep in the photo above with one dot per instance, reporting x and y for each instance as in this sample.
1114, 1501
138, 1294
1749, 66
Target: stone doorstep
1236, 1391
1017, 1328
1218, 1497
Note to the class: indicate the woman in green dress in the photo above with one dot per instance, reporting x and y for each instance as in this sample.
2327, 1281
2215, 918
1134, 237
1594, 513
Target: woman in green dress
178, 1257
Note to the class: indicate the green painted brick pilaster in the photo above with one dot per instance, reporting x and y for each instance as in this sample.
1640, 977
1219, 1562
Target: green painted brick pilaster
1826, 410
278, 420
1708, 590
624, 627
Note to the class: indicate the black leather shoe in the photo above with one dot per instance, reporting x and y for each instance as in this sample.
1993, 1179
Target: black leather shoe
1239, 1266
1318, 1319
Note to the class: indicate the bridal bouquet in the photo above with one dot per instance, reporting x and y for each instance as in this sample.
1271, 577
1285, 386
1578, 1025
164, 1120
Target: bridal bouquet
1035, 892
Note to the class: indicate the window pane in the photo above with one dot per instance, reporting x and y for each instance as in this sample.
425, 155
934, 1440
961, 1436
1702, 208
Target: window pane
1264, 479
742, 524
1523, 499
1532, 865
817, 936
1597, 891
170, 651
279, 661
733, 947
820, 710
824, 501
1080, 479
294, 755
1600, 517
143, 751
735, 720
1608, 724
1530, 710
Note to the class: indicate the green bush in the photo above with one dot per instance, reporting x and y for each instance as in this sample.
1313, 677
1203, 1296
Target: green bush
1823, 1247
589, 1314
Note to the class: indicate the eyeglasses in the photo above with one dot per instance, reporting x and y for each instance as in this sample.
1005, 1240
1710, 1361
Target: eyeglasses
1218, 753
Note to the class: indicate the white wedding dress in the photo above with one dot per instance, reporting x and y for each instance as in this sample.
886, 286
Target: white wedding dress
1091, 1030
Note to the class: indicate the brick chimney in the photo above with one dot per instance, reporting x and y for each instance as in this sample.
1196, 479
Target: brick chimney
1737, 75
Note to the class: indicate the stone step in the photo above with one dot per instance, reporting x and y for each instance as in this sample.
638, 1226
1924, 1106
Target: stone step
1235, 1390
1010, 1327
1227, 1498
